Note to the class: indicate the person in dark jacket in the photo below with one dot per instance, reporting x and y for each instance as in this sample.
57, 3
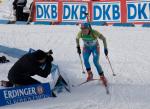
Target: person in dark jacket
30, 65
18, 5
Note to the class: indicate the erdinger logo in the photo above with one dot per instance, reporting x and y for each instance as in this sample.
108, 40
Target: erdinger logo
40, 90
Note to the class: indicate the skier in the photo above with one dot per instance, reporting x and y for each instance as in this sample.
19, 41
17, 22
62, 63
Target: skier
91, 45
27, 66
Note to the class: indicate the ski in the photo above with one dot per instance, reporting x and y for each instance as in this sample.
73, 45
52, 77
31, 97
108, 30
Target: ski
107, 88
105, 85
84, 82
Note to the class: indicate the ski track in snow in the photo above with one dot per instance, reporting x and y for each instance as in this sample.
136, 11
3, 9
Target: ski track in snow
128, 52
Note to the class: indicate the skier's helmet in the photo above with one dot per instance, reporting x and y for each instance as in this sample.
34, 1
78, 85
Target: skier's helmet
85, 25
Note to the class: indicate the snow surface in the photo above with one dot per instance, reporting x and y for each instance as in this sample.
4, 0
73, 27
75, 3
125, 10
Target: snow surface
128, 52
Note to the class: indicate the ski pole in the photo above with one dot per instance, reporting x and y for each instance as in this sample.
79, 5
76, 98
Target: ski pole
30, 14
81, 64
88, 20
110, 66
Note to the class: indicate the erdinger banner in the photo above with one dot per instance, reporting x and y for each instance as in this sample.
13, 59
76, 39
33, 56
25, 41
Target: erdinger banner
110, 11
24, 93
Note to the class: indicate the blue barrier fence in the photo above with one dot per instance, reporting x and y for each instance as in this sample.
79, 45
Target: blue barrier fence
101, 23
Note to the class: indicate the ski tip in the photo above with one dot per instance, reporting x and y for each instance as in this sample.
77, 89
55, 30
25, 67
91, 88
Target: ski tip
73, 85
83, 72
107, 92
114, 74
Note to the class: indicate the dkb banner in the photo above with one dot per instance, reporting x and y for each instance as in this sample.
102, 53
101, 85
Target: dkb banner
110, 11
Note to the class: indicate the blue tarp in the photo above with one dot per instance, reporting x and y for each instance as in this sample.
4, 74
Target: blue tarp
4, 21
13, 52
124, 24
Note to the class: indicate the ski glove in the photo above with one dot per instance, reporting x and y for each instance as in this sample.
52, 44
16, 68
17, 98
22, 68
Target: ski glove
78, 50
106, 51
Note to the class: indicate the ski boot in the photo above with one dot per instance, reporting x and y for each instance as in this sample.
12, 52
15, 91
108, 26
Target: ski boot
104, 80
90, 76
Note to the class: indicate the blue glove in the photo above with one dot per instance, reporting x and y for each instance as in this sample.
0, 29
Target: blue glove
106, 51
